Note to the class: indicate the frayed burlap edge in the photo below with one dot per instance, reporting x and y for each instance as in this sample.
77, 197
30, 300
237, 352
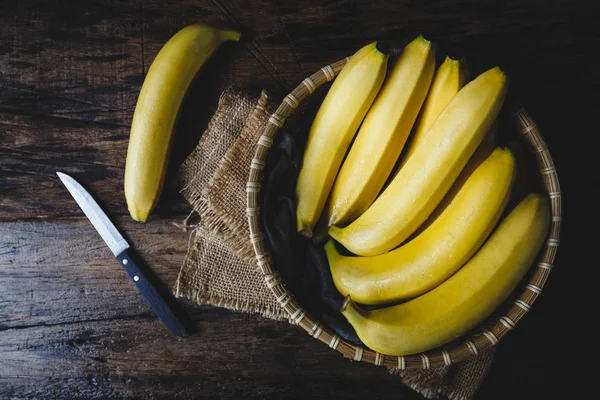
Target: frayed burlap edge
218, 214
202, 295
203, 298
229, 120
211, 273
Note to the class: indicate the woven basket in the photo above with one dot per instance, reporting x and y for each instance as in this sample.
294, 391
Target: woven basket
495, 328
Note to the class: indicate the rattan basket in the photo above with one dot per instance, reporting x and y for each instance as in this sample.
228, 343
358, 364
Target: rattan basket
492, 330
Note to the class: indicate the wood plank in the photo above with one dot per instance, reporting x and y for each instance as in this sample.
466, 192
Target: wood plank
264, 43
70, 77
53, 272
233, 356
81, 62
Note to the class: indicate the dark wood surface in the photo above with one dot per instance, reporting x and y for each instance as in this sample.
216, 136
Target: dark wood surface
72, 325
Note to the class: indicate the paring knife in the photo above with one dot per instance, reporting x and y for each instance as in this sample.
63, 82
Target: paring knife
120, 248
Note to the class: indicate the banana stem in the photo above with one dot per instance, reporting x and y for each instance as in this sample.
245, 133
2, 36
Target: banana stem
351, 311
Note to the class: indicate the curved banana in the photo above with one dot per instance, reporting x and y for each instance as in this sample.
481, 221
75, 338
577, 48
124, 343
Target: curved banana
333, 128
482, 152
426, 177
450, 77
383, 133
161, 96
434, 255
465, 299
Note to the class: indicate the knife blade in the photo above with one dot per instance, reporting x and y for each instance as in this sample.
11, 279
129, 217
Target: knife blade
122, 251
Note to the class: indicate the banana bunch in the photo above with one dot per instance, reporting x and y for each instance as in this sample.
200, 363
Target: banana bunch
427, 235
430, 171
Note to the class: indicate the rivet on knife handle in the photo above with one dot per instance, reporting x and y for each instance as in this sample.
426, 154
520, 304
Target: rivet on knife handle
151, 294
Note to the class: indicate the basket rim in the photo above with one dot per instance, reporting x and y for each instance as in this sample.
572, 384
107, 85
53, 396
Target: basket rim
468, 346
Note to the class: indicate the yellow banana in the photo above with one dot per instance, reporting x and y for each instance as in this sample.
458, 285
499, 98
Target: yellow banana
450, 77
465, 299
333, 128
434, 255
161, 96
426, 177
481, 153
383, 133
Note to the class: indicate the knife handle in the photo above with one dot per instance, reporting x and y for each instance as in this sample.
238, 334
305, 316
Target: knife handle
151, 294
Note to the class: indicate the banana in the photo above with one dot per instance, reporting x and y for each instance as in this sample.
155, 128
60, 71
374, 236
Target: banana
333, 128
465, 299
161, 96
481, 153
429, 173
434, 255
383, 133
450, 77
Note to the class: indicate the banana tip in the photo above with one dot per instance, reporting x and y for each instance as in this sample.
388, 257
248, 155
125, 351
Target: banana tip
234, 36
427, 37
456, 55
383, 47
345, 304
306, 233
137, 215
139, 219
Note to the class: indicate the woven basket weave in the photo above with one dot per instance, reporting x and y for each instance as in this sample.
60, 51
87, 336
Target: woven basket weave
492, 330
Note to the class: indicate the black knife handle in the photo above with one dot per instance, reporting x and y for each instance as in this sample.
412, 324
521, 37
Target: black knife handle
151, 294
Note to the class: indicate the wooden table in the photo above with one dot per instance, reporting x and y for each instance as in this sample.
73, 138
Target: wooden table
72, 325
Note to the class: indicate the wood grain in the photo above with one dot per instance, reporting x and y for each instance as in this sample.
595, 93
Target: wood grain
72, 325
136, 358
61, 271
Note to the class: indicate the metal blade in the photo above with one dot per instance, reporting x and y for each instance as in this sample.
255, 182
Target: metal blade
97, 217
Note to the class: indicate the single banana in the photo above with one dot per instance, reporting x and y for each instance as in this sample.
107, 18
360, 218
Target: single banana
450, 77
161, 96
429, 173
465, 299
438, 252
383, 133
333, 128
487, 145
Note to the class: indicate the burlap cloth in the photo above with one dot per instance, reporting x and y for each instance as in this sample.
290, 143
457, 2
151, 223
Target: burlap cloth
219, 268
